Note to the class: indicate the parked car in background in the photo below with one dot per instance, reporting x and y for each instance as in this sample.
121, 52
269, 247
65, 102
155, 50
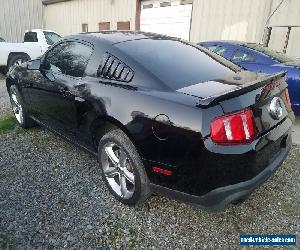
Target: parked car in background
157, 121
36, 42
1, 40
256, 57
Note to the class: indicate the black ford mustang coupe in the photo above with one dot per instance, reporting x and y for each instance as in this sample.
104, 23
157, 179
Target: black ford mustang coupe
162, 115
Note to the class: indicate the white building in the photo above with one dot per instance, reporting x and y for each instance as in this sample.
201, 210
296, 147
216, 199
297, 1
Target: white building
17, 16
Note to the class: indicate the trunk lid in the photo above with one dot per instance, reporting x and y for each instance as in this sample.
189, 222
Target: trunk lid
264, 94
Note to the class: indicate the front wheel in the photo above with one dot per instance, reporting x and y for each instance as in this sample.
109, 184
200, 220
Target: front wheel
122, 168
18, 109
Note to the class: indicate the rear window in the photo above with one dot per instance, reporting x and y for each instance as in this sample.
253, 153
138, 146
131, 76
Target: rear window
176, 63
218, 49
30, 37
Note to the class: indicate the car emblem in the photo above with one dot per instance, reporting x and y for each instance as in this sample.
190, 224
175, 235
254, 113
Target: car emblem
275, 108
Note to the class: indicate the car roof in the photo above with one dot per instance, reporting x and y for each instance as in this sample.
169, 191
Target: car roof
40, 30
114, 37
229, 42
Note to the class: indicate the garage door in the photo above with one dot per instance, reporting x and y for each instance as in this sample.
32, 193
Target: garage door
168, 17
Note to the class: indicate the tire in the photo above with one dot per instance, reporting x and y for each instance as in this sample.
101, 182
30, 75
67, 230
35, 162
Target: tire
3, 70
17, 59
127, 180
18, 109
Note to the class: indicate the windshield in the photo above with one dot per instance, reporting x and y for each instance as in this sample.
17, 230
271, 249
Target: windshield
278, 56
51, 37
174, 62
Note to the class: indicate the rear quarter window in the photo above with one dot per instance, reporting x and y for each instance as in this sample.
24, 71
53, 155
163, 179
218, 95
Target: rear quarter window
114, 69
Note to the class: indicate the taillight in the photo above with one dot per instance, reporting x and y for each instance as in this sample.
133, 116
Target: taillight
235, 128
287, 98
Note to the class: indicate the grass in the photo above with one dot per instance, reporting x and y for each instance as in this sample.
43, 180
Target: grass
117, 236
7, 122
7, 242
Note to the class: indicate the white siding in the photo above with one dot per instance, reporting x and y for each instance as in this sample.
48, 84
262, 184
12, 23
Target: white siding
171, 20
245, 20
17, 16
288, 14
67, 17
229, 19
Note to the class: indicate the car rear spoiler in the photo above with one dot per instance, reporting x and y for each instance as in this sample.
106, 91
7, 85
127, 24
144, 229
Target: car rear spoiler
239, 90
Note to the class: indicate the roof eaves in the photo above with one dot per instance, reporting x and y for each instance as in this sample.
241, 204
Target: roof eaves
47, 2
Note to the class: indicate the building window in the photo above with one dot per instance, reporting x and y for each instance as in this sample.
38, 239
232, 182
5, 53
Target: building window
104, 26
183, 2
165, 4
85, 27
147, 6
123, 25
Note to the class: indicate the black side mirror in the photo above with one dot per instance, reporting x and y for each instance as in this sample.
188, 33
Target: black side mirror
45, 65
42, 66
34, 65
45, 70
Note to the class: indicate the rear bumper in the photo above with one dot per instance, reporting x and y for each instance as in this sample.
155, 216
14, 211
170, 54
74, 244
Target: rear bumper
217, 199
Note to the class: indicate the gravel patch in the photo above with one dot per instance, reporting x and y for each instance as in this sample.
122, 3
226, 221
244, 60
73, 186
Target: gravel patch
51, 197
4, 99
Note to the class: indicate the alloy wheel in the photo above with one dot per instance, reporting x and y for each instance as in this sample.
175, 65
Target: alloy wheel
16, 106
118, 170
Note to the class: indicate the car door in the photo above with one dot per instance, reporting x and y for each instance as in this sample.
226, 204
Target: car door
54, 97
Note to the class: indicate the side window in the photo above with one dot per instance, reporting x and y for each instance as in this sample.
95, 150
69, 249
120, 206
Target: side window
114, 69
69, 58
30, 37
51, 37
242, 56
218, 49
